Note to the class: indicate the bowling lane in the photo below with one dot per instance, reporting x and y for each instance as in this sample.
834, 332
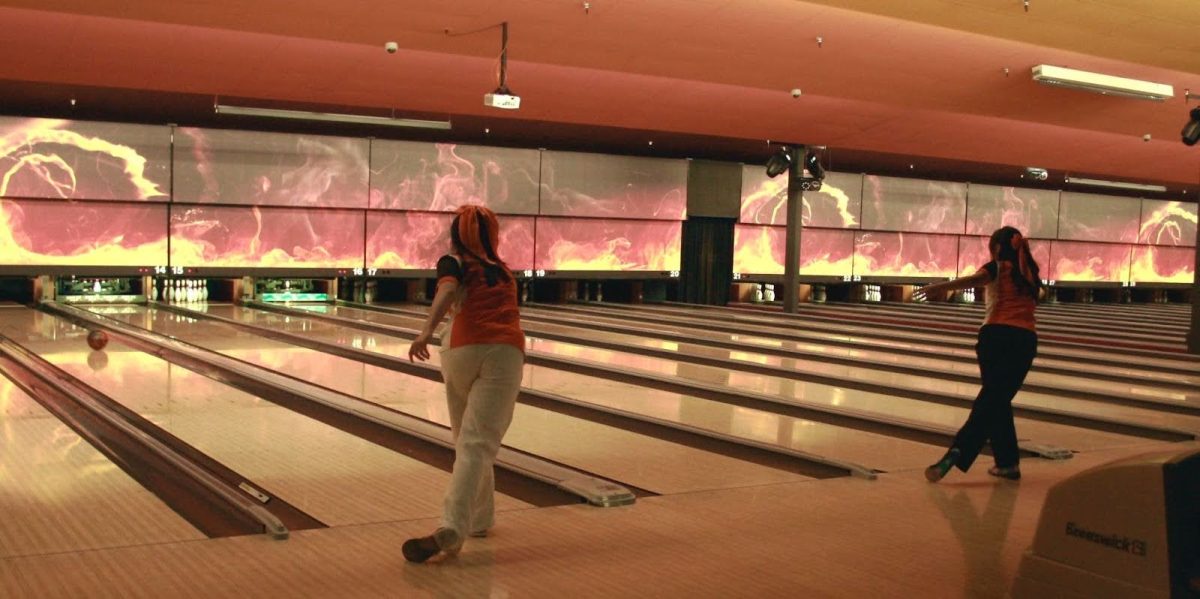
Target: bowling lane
846, 331
1081, 383
1145, 321
335, 477
879, 351
1146, 416
1096, 327
786, 389
59, 494
610, 452
875, 451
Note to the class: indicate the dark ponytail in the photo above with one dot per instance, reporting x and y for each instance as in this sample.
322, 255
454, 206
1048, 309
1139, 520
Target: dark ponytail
494, 269
1012, 247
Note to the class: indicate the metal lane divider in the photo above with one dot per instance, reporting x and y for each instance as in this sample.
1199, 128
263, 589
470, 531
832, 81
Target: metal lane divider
389, 362
82, 397
593, 490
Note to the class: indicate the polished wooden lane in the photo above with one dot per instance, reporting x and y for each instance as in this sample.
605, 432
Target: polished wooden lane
59, 494
637, 459
333, 476
895, 537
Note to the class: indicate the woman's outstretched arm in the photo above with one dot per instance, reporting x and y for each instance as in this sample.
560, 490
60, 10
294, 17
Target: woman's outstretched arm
979, 279
441, 304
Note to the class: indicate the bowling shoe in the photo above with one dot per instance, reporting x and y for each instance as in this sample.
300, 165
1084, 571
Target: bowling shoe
938, 471
420, 549
1010, 473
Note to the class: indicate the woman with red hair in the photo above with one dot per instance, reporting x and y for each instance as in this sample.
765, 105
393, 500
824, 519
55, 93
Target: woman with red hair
1006, 348
483, 355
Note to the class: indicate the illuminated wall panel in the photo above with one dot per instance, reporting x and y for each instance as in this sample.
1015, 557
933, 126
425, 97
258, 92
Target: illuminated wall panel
598, 185
608, 245
416, 240
244, 236
1093, 217
1157, 264
826, 252
973, 253
837, 205
275, 169
913, 205
759, 249
441, 177
1090, 262
47, 232
62, 159
905, 255
1168, 223
1033, 211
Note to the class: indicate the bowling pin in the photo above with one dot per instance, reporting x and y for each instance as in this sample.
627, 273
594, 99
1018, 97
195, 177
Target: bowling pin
599, 292
769, 293
204, 290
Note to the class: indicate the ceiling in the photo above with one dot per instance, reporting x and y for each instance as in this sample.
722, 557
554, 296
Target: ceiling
941, 85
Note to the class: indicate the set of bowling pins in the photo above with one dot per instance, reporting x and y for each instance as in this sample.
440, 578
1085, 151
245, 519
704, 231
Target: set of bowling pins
968, 296
764, 293
874, 293
183, 291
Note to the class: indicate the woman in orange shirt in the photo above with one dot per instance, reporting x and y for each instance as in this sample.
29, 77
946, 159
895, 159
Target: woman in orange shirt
1006, 348
483, 354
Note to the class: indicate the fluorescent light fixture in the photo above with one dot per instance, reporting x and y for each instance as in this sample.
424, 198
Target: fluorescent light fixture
1116, 184
304, 115
1101, 83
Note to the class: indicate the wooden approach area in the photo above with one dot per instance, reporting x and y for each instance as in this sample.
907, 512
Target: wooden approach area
897, 536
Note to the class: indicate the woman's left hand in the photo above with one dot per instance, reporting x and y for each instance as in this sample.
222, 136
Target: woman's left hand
419, 349
926, 291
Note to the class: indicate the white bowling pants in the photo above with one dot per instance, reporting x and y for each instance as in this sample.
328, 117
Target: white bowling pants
482, 382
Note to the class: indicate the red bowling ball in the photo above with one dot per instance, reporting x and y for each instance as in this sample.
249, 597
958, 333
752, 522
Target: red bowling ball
97, 340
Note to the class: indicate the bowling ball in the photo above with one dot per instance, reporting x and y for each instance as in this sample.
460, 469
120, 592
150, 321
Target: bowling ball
97, 340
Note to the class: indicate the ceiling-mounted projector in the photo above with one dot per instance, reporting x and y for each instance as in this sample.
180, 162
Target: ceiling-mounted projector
502, 98
1102, 84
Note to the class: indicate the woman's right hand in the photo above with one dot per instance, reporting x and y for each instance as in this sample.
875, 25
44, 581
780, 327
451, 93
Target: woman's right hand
419, 349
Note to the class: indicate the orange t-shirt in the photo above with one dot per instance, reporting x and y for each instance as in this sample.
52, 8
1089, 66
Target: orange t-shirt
483, 313
1007, 304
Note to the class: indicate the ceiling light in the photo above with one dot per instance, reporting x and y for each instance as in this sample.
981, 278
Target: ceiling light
779, 163
1116, 184
304, 115
1191, 131
1101, 83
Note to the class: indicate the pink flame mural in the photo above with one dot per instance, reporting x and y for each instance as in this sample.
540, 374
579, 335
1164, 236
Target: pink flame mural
1090, 262
1033, 211
276, 169
1093, 217
61, 159
826, 252
882, 254
597, 185
973, 253
48, 232
1168, 223
916, 205
1157, 264
441, 177
415, 240
253, 236
759, 249
837, 205
607, 245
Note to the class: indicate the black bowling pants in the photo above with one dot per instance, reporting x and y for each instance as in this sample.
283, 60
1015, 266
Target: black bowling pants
1005, 355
